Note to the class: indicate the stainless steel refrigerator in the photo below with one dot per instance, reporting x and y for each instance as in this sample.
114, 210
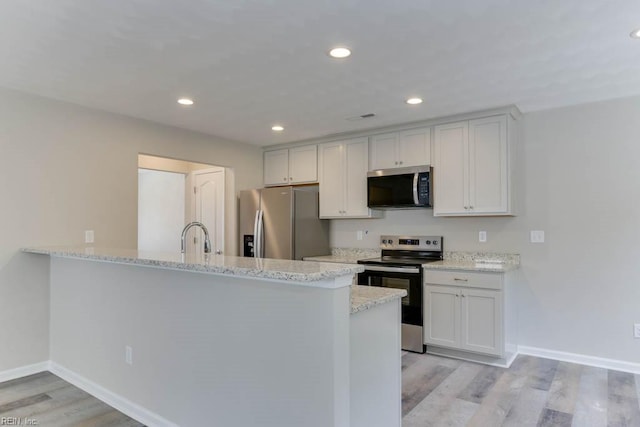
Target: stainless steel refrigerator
282, 222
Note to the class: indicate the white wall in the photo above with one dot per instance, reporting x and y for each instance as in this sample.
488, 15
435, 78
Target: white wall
579, 181
208, 350
65, 169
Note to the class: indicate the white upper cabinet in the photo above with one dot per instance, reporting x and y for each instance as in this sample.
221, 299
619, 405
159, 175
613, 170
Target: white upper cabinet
297, 165
400, 149
472, 168
276, 167
343, 179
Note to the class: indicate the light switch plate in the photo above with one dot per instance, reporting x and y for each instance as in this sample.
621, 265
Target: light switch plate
482, 236
88, 236
537, 236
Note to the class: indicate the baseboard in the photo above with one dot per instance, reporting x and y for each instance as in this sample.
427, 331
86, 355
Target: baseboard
123, 405
472, 357
24, 371
598, 362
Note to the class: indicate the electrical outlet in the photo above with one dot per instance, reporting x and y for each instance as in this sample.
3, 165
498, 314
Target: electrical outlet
636, 330
359, 234
482, 236
537, 236
88, 236
128, 355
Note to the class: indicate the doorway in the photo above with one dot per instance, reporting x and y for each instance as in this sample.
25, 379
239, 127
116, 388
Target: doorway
172, 193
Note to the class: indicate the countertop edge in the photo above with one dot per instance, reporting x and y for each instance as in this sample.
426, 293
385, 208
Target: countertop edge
262, 269
365, 297
471, 266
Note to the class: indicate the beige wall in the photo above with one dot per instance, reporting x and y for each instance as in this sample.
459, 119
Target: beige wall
65, 169
579, 181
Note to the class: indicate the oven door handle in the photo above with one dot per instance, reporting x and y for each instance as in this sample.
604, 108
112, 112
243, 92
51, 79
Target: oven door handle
414, 270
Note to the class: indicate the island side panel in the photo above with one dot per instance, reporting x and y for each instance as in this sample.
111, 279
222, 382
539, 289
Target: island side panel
376, 365
207, 349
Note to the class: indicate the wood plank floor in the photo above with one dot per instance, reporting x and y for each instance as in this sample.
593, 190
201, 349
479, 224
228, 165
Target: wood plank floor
438, 391
48, 401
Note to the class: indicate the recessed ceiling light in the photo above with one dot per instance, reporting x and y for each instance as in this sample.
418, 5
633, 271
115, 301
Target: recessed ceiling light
414, 101
277, 128
635, 34
185, 101
339, 52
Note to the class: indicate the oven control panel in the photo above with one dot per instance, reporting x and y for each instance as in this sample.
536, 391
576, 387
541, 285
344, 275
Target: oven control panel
414, 243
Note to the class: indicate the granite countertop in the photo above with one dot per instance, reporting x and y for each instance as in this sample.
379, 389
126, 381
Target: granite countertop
468, 261
265, 268
341, 259
346, 255
485, 266
476, 261
365, 297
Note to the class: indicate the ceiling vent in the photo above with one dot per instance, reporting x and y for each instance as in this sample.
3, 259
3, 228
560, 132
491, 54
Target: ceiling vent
364, 116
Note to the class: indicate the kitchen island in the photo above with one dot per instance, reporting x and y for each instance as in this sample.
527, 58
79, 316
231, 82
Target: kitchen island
225, 341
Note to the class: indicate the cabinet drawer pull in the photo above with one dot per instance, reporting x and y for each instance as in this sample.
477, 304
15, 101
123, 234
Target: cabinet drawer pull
460, 280
290, 178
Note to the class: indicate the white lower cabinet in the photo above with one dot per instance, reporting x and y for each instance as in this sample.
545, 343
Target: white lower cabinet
465, 311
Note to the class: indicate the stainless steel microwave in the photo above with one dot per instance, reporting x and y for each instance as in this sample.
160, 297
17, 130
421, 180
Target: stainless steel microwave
401, 188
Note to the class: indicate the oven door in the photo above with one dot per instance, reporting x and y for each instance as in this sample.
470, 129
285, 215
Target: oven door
408, 278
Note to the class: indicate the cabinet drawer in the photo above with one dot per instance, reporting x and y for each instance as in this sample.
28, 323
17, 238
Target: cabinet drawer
471, 279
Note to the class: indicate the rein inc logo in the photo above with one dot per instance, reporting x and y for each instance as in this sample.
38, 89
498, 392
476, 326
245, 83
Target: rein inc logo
18, 421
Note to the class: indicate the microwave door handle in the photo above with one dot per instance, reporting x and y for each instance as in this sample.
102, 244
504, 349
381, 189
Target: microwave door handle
416, 201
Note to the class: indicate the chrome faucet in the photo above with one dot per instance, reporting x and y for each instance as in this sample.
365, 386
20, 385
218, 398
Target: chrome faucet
207, 242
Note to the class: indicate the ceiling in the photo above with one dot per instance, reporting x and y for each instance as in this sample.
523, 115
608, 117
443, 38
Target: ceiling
249, 64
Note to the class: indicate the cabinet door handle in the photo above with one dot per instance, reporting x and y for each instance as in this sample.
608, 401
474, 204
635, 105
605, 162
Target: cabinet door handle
290, 178
457, 296
400, 161
284, 179
470, 207
463, 295
396, 163
460, 280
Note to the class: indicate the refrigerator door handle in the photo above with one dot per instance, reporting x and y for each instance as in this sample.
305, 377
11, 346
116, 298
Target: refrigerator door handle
256, 245
260, 235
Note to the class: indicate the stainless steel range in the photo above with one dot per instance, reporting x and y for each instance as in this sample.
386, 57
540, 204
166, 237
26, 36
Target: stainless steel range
400, 267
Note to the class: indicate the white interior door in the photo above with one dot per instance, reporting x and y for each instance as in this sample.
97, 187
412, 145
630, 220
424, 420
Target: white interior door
208, 208
161, 215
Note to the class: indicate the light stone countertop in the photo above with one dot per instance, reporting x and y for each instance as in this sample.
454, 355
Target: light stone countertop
467, 261
365, 297
341, 259
264, 268
484, 266
476, 261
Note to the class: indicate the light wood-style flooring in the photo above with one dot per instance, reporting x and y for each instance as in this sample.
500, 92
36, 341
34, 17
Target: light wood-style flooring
46, 400
437, 391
